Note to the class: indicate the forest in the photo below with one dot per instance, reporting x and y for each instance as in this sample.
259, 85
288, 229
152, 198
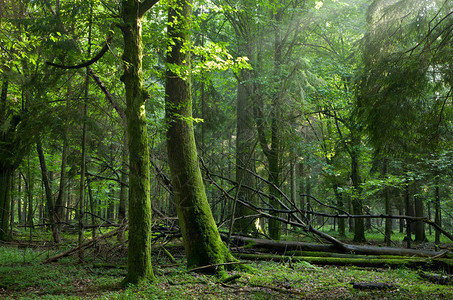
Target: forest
246, 149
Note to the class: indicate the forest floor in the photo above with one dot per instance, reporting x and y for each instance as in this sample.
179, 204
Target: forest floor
23, 275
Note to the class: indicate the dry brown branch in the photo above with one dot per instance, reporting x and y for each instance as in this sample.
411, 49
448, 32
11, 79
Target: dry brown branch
84, 245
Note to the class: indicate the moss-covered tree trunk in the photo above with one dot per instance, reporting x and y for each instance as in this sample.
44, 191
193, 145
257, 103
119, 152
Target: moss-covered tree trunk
202, 241
139, 248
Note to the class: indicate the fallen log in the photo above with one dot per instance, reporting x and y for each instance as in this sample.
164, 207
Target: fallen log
374, 286
284, 246
278, 246
340, 255
437, 278
409, 262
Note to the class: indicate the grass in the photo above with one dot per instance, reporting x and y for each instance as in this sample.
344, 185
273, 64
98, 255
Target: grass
23, 276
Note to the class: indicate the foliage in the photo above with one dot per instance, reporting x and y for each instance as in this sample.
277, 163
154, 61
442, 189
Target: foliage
32, 280
347, 81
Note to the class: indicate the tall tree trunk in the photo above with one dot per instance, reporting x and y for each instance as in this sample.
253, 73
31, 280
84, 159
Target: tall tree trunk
59, 202
123, 189
13, 200
408, 207
6, 168
401, 221
139, 266
420, 235
300, 176
202, 242
124, 183
245, 147
274, 178
437, 215
357, 205
340, 205
293, 183
111, 204
388, 208
92, 208
48, 192
81, 208
19, 200
6, 173
29, 187
274, 153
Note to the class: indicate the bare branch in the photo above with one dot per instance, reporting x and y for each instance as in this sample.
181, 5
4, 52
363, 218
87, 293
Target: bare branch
89, 62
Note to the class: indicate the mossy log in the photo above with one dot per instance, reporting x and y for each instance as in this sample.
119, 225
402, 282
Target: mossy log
340, 255
437, 278
374, 286
279, 246
284, 246
409, 262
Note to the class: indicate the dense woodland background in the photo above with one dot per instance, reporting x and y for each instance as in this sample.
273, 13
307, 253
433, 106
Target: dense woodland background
310, 111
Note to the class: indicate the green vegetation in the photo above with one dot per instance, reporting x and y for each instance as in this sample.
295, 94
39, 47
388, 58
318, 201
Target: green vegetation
23, 276
242, 128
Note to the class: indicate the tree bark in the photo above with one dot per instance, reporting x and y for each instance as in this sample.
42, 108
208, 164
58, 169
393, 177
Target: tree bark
5, 201
387, 205
340, 204
29, 187
408, 207
59, 202
202, 242
123, 188
359, 226
6, 168
245, 147
284, 246
48, 192
413, 263
420, 235
140, 224
437, 215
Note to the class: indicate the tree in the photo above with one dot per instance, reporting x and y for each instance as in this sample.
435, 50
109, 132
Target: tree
202, 242
404, 86
246, 36
140, 223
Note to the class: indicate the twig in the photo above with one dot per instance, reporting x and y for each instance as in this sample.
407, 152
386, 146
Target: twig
83, 245
217, 265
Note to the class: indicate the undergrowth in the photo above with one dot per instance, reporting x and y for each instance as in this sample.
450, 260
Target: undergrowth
24, 276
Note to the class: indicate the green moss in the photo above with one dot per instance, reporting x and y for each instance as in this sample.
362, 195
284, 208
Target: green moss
139, 253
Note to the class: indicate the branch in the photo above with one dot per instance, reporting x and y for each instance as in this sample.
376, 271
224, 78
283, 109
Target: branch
91, 61
145, 6
108, 95
326, 205
84, 245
